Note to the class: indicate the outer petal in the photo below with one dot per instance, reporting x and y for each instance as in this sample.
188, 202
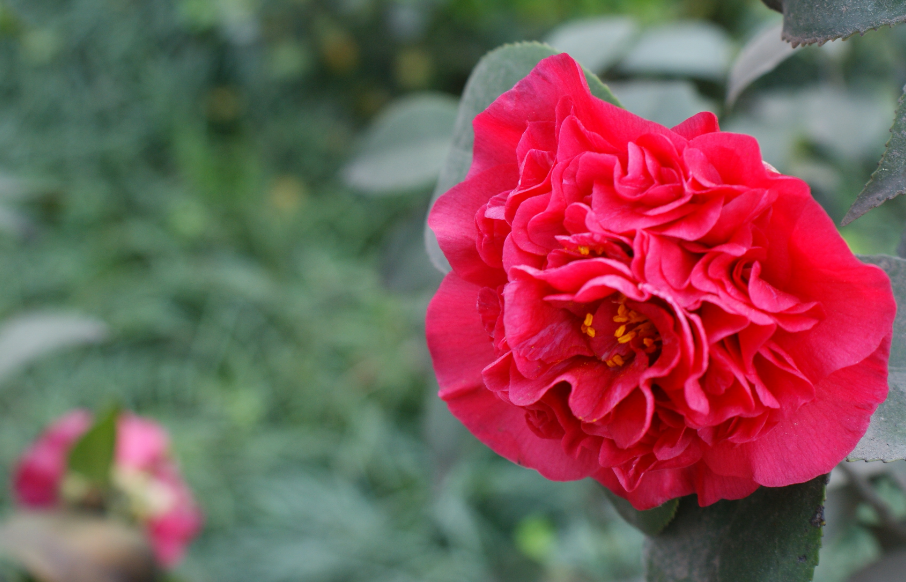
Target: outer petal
459, 345
811, 441
460, 348
502, 427
655, 488
698, 124
536, 98
809, 259
825, 430
453, 221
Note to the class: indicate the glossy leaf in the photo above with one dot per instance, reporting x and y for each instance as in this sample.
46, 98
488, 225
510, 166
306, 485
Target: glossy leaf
28, 337
773, 534
689, 49
761, 55
650, 522
889, 180
818, 21
885, 439
596, 43
495, 74
405, 147
92, 455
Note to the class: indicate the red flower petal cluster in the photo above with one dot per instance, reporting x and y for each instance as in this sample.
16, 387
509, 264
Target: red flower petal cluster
651, 307
143, 472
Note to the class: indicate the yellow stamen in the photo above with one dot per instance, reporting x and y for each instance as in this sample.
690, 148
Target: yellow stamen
627, 338
611, 364
618, 360
589, 319
584, 251
648, 342
619, 319
620, 331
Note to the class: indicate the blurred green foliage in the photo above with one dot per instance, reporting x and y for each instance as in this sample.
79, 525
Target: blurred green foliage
269, 317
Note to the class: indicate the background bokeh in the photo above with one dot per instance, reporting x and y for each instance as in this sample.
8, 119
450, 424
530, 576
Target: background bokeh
175, 169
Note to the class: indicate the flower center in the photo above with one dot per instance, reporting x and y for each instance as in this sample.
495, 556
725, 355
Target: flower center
633, 325
586, 326
633, 333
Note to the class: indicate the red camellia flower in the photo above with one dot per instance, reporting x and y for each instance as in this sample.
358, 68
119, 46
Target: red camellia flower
143, 473
654, 308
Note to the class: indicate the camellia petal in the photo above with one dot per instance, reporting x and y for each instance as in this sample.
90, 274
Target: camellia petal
653, 308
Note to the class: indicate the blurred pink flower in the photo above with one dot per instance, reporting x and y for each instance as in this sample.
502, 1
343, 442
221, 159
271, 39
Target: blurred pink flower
144, 474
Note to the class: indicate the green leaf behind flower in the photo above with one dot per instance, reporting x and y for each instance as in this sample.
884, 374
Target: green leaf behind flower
889, 180
650, 522
885, 439
405, 147
92, 455
811, 21
495, 74
774, 534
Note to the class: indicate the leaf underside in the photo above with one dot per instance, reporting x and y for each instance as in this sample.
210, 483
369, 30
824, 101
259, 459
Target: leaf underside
760, 56
889, 180
494, 75
818, 21
650, 522
774, 534
885, 439
405, 146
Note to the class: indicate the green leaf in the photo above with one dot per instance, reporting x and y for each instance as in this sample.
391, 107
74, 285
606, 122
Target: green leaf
889, 180
885, 439
31, 336
405, 147
811, 21
773, 534
495, 74
596, 43
760, 56
650, 522
666, 102
92, 455
688, 49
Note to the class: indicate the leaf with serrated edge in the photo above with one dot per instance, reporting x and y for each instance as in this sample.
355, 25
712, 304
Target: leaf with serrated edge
889, 180
495, 74
649, 522
818, 21
773, 534
92, 455
885, 439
